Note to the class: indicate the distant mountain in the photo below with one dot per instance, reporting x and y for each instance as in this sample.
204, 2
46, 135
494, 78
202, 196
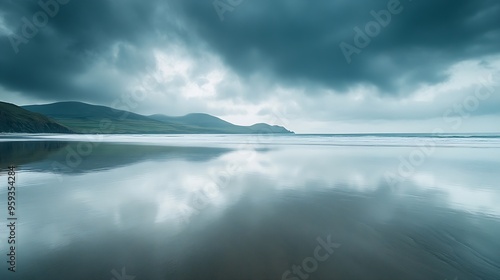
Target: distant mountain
265, 128
200, 121
19, 120
196, 119
86, 118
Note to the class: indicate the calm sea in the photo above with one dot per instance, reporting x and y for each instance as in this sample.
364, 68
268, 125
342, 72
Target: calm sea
379, 206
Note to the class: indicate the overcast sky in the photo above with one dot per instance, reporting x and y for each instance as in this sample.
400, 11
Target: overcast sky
313, 66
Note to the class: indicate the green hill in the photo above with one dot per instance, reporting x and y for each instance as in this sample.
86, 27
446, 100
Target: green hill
265, 128
196, 119
205, 121
86, 118
74, 109
14, 119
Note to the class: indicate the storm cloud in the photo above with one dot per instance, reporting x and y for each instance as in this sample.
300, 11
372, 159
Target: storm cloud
299, 40
245, 57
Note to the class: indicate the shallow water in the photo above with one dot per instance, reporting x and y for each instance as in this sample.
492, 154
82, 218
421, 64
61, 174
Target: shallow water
249, 207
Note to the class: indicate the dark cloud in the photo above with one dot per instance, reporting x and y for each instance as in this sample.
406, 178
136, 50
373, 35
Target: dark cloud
293, 42
299, 40
78, 38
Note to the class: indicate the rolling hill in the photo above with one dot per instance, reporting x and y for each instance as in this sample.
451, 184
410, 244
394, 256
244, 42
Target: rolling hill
200, 121
87, 118
19, 120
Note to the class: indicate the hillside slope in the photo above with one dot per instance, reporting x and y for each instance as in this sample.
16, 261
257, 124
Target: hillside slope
72, 109
14, 119
87, 118
200, 121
